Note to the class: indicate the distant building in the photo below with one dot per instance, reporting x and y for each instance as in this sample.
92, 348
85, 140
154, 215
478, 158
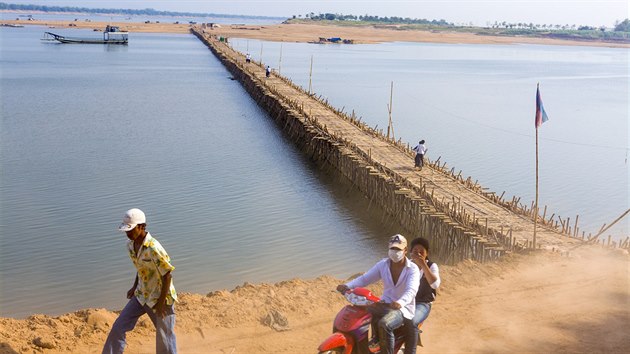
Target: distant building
210, 25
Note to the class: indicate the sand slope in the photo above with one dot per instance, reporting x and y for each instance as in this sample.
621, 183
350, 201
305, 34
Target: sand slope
524, 303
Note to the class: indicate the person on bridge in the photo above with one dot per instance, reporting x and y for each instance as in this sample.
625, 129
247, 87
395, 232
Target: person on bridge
429, 282
248, 58
267, 71
420, 150
401, 279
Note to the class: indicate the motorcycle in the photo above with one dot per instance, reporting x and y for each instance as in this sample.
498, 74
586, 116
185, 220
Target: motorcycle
352, 325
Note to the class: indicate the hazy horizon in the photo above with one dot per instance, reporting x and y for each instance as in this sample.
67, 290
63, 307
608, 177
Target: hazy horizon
477, 12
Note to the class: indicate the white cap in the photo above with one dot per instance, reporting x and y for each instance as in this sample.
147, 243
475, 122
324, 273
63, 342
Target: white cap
132, 218
398, 241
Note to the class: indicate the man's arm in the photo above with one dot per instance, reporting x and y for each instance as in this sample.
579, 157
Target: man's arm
371, 276
133, 288
160, 306
434, 272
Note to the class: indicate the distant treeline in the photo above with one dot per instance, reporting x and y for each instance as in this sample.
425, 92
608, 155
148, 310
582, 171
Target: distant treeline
623, 26
370, 18
129, 12
619, 33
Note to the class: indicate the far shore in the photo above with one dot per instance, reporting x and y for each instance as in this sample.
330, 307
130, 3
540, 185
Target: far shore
312, 32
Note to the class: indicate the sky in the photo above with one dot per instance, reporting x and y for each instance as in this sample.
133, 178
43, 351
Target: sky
479, 12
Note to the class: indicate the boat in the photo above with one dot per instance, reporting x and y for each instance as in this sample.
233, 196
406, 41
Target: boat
111, 35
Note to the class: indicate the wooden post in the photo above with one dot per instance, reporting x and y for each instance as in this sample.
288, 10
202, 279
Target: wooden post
389, 108
310, 78
486, 227
280, 61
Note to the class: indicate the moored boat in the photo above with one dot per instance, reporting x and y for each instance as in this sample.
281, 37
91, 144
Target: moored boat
111, 35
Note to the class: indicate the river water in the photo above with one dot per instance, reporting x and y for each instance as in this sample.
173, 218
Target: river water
90, 131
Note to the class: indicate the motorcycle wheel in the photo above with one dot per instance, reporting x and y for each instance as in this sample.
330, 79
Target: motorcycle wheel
335, 351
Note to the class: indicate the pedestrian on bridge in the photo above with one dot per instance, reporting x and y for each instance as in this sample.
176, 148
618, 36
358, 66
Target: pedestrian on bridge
420, 150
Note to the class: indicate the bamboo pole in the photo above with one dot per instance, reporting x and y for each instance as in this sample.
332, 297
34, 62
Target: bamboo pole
280, 60
603, 229
310, 80
389, 109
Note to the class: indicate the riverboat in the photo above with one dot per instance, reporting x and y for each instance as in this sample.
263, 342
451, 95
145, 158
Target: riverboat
111, 35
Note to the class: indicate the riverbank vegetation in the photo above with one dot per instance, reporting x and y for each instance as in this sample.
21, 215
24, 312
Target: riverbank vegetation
127, 12
620, 32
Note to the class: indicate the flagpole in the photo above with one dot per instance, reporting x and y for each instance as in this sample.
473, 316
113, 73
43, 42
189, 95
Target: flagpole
536, 200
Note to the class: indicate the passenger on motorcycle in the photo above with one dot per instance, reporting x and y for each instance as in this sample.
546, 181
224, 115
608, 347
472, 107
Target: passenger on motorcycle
429, 282
401, 279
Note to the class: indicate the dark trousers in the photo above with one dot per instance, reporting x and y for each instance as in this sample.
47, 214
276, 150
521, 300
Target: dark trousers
419, 160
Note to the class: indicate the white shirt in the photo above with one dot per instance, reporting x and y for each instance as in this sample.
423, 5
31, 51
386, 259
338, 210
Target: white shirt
420, 149
436, 271
403, 292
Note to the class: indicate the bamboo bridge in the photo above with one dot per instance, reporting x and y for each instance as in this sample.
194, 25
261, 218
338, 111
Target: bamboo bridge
457, 215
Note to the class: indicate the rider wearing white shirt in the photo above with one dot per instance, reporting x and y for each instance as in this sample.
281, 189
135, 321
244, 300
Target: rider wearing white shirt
401, 279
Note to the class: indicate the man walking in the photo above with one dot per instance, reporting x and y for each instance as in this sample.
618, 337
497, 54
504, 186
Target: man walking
152, 293
401, 279
420, 150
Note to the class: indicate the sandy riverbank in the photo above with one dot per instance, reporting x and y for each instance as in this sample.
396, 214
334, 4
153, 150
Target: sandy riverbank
544, 302
312, 32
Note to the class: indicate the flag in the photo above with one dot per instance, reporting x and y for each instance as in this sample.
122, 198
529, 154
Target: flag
541, 115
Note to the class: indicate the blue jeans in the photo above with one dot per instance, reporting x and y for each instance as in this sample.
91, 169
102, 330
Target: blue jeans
164, 328
386, 320
411, 335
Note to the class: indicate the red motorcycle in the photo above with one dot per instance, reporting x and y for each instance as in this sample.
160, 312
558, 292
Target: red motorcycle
352, 325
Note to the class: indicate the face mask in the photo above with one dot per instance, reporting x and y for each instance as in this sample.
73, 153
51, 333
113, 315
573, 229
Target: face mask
396, 256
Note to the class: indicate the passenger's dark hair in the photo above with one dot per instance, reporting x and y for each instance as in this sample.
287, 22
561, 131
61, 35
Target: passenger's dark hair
421, 141
419, 241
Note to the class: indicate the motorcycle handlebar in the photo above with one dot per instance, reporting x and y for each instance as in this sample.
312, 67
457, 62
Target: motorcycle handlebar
342, 289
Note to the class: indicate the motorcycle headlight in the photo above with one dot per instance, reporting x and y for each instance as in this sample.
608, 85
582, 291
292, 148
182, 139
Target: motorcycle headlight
358, 300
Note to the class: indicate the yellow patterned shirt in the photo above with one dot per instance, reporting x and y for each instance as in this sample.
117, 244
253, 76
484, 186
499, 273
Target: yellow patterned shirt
152, 263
